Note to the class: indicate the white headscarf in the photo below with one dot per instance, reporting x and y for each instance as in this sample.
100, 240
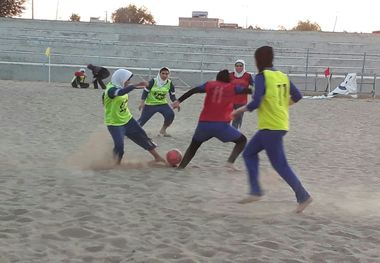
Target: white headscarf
120, 76
237, 74
161, 82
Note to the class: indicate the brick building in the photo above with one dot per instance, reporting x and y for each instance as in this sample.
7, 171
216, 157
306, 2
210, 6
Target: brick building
200, 19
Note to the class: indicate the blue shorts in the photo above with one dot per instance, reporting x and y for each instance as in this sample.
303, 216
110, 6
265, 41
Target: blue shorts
220, 130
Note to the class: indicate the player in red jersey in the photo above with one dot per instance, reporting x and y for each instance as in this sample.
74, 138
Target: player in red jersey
215, 117
242, 78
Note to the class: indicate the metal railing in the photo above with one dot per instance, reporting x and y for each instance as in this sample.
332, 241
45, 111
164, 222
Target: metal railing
304, 64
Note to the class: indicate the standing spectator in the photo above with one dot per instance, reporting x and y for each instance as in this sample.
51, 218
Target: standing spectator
99, 73
242, 78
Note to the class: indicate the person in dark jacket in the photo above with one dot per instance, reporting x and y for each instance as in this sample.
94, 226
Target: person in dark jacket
99, 73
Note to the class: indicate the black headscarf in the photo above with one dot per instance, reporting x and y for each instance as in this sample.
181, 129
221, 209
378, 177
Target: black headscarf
223, 76
264, 57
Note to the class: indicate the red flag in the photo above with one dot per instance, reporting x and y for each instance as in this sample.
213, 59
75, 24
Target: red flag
327, 72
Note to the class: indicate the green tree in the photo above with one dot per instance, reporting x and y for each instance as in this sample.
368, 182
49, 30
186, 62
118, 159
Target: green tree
74, 18
255, 28
133, 15
307, 26
10, 8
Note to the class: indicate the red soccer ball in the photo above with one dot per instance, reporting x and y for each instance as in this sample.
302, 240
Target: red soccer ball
174, 157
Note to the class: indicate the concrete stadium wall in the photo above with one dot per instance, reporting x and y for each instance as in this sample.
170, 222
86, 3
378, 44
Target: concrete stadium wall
76, 44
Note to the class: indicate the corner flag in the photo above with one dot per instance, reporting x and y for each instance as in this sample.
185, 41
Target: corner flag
48, 52
327, 72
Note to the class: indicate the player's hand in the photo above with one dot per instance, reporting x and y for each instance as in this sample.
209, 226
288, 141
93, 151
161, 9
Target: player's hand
141, 106
233, 114
176, 105
142, 84
238, 112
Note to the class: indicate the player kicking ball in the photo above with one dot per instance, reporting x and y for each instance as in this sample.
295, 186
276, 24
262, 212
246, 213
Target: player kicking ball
215, 118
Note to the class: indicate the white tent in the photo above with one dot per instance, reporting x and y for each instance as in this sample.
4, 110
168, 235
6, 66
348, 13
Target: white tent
347, 87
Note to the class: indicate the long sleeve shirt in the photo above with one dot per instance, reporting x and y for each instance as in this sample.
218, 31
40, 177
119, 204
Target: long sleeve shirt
114, 91
260, 92
202, 89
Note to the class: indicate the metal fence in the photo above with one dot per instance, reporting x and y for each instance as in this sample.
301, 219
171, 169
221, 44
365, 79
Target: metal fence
306, 66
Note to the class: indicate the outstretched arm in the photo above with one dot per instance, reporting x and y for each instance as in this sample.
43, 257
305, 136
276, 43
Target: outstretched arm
114, 92
257, 97
198, 89
258, 94
147, 89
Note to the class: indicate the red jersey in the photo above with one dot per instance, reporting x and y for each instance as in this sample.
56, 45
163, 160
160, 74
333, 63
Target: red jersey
79, 74
218, 104
244, 82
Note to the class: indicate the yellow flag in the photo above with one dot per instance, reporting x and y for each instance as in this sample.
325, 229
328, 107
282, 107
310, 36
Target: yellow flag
48, 52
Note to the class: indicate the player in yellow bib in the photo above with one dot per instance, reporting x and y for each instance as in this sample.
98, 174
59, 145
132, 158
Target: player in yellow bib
153, 100
273, 94
119, 119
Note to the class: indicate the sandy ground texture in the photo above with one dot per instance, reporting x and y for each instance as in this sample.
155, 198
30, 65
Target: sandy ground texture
60, 203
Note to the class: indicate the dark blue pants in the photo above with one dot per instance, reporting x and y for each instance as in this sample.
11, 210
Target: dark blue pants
271, 141
150, 110
134, 132
220, 130
102, 74
238, 121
